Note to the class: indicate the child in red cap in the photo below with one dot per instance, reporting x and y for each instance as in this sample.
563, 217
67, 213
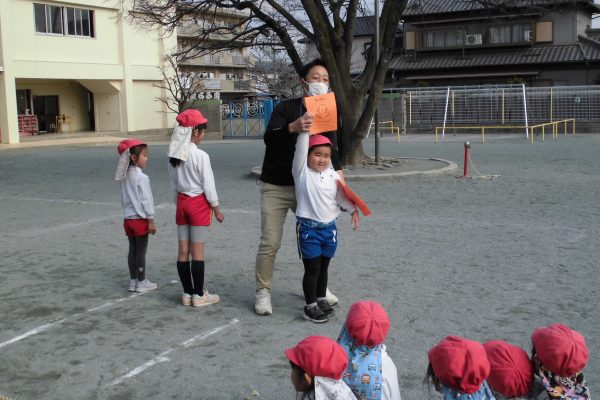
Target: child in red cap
511, 372
317, 365
196, 198
138, 209
458, 369
319, 198
371, 373
559, 355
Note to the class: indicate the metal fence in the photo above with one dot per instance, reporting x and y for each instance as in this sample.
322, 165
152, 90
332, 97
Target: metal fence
245, 119
422, 109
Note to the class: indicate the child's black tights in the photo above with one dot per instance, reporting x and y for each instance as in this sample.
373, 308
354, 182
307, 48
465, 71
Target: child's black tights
137, 257
314, 283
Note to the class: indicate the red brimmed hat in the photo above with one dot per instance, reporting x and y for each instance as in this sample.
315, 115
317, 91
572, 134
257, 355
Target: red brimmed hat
511, 372
190, 118
126, 144
460, 364
319, 356
318, 140
560, 349
368, 323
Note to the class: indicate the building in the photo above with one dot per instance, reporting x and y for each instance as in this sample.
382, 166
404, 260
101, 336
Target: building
464, 42
224, 74
76, 66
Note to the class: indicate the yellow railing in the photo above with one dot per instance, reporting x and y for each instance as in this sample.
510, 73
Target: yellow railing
386, 125
554, 125
530, 128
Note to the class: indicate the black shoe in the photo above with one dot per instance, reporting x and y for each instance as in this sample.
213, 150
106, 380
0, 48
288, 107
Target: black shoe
326, 308
315, 315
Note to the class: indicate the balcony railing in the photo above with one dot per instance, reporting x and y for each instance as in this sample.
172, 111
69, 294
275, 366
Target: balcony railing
241, 85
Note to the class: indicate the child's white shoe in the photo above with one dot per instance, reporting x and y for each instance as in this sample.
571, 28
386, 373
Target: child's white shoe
204, 300
186, 299
132, 284
331, 298
145, 286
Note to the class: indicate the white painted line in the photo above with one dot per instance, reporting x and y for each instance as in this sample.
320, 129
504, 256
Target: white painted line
66, 201
162, 357
49, 325
32, 332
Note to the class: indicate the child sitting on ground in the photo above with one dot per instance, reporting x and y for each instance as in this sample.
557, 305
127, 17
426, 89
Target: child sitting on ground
317, 365
138, 209
319, 198
511, 373
458, 369
559, 355
371, 373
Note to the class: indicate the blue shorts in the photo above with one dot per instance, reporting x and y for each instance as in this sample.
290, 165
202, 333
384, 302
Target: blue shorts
315, 239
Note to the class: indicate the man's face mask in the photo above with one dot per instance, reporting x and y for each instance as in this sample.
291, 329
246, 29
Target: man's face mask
316, 88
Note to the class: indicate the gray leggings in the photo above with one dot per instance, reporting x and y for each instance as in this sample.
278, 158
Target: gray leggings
195, 234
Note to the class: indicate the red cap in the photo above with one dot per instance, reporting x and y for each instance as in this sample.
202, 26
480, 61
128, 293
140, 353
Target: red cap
511, 372
460, 364
367, 323
190, 118
126, 144
318, 140
319, 356
560, 349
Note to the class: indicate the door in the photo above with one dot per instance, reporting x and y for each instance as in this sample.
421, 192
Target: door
46, 109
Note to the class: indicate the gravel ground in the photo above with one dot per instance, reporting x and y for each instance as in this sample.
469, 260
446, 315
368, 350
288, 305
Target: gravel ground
484, 259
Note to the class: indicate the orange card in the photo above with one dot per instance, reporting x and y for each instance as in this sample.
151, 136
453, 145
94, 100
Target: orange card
353, 197
324, 111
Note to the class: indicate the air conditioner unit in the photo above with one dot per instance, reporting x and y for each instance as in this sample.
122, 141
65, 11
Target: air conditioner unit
527, 36
472, 40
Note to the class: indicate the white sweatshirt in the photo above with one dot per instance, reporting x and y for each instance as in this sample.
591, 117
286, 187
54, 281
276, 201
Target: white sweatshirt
136, 195
194, 176
318, 196
390, 390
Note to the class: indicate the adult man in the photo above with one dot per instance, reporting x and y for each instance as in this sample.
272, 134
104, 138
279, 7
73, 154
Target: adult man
277, 187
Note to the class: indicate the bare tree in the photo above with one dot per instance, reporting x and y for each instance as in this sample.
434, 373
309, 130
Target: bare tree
274, 75
327, 23
182, 87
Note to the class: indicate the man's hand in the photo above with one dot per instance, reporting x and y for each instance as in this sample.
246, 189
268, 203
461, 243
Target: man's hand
302, 124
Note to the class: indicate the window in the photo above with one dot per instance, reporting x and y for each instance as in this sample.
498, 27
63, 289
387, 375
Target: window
441, 39
63, 20
518, 33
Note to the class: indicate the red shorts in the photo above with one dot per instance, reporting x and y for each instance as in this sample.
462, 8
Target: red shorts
194, 211
136, 227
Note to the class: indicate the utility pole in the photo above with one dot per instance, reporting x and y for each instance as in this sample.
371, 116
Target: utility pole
376, 52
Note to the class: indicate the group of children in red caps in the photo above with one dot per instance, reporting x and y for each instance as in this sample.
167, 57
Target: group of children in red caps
357, 365
463, 369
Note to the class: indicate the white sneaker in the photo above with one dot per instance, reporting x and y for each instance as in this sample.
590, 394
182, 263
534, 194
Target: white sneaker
132, 284
262, 302
331, 298
145, 286
204, 300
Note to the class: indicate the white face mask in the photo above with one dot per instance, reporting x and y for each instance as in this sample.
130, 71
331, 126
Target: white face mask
316, 88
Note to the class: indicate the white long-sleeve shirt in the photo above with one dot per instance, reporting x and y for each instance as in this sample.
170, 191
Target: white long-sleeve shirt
136, 195
318, 195
390, 390
194, 176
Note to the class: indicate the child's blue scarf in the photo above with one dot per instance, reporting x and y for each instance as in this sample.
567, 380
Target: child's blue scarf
363, 375
484, 393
